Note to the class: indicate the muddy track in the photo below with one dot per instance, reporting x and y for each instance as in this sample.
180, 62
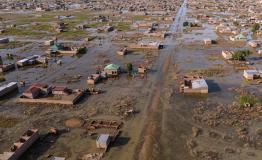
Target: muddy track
148, 147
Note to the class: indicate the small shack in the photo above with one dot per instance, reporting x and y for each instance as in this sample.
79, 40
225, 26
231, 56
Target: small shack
239, 37
142, 69
122, 52
252, 74
112, 70
227, 54
93, 79
194, 84
207, 41
252, 44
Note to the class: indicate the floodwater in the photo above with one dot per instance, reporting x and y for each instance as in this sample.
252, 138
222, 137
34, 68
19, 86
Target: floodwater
176, 119
166, 112
102, 106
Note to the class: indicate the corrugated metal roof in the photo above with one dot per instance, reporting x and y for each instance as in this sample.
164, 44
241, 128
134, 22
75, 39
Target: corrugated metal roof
199, 83
103, 138
112, 67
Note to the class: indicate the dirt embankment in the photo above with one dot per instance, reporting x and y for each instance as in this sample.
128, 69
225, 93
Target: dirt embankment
148, 148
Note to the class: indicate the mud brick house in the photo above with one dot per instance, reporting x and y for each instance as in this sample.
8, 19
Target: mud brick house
112, 70
194, 84
36, 90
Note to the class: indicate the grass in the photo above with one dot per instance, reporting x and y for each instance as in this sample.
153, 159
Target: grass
121, 26
21, 32
97, 24
44, 27
210, 72
138, 17
30, 19
8, 122
248, 99
72, 34
241, 55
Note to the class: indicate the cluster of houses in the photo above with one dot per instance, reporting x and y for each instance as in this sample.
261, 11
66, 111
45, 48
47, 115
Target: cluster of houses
121, 6
110, 70
40, 6
47, 94
147, 45
59, 48
134, 6
31, 60
237, 22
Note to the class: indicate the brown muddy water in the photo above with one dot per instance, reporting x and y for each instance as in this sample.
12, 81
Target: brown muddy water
163, 126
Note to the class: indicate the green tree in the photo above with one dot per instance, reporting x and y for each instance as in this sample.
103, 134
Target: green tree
241, 55
255, 27
129, 67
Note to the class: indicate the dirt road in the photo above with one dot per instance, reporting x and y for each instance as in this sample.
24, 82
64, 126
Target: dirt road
148, 147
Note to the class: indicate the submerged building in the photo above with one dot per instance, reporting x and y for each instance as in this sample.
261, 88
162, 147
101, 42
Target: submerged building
194, 84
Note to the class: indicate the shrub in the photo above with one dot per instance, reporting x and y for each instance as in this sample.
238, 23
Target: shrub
248, 99
8, 122
129, 67
255, 27
241, 55
236, 23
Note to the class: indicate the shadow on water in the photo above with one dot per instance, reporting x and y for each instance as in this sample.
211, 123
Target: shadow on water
254, 58
42, 145
10, 95
212, 86
152, 71
120, 141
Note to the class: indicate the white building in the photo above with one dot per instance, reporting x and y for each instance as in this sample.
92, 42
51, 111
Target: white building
252, 74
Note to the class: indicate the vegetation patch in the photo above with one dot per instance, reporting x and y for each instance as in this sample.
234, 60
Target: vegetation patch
255, 27
241, 55
217, 70
8, 122
248, 100
138, 17
96, 24
44, 27
121, 26
22, 32
72, 34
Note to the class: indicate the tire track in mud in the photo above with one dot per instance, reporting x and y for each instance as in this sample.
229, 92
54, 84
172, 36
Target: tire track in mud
152, 127
149, 146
